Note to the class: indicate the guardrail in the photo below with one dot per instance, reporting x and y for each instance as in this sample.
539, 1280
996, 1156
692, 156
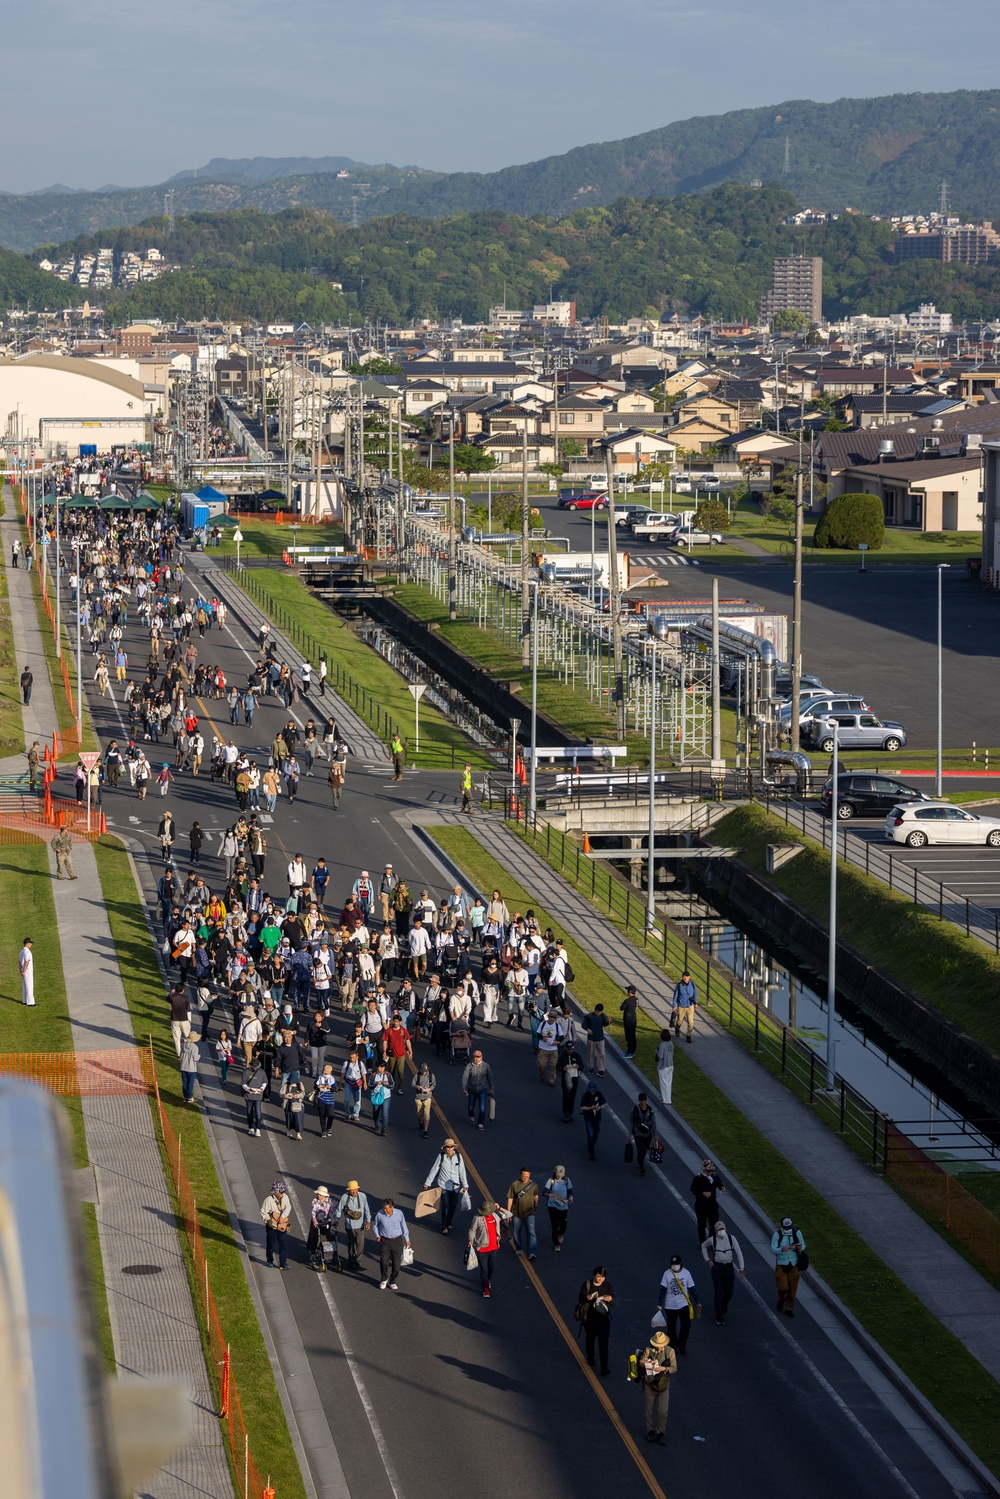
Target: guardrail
931, 895
867, 1130
358, 697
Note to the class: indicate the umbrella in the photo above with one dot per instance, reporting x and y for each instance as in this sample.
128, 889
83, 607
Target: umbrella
115, 502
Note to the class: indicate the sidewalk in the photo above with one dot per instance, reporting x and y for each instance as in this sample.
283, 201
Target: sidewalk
153, 1323
945, 1282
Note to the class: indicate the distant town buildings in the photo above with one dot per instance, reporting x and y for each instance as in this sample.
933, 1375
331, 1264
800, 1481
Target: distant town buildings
796, 286
964, 244
108, 269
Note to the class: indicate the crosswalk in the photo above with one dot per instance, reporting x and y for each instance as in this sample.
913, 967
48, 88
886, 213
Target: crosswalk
671, 559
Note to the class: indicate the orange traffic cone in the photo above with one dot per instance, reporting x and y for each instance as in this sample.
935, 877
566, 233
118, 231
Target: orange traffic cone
586, 844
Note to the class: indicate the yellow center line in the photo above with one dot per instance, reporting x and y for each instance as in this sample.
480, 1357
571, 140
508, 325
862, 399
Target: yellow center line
571, 1342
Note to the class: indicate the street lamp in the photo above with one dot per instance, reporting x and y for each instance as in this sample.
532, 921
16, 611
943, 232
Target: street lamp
831, 965
515, 724
79, 657
659, 629
938, 770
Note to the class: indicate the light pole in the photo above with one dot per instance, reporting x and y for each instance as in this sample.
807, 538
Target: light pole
831, 965
58, 579
938, 765
515, 724
658, 628
532, 803
79, 657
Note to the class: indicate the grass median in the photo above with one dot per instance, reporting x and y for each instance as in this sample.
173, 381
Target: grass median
442, 743
262, 1408
11, 725
931, 1356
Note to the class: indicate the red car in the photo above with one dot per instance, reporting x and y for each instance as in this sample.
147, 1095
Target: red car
591, 499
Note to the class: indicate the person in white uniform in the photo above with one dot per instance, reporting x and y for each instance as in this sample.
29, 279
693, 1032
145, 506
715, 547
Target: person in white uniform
26, 964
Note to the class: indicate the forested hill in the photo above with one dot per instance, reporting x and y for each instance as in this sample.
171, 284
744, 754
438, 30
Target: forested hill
878, 155
708, 252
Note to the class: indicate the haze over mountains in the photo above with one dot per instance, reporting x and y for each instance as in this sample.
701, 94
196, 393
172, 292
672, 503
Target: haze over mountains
879, 155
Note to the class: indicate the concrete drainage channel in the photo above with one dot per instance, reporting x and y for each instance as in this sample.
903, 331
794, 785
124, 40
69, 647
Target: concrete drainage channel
445, 697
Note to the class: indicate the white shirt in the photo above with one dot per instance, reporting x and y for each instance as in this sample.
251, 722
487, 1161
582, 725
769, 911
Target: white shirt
297, 872
25, 961
420, 942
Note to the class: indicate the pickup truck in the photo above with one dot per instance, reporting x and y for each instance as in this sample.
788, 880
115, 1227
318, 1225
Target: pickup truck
654, 526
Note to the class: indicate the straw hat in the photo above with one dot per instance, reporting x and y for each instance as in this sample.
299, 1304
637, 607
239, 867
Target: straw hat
660, 1340
322, 1191
352, 1186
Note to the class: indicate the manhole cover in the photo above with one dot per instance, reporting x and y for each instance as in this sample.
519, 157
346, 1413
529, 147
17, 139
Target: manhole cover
141, 1269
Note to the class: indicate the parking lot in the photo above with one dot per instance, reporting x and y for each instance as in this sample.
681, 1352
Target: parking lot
972, 872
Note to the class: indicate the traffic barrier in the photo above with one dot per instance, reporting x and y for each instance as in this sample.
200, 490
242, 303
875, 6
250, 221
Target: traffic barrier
84, 1074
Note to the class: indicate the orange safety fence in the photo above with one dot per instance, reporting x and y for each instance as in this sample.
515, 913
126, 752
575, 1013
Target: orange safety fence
942, 1195
70, 737
84, 1074
249, 1481
36, 817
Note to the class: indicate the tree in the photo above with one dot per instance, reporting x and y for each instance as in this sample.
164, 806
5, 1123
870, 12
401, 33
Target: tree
472, 460
790, 320
419, 476
712, 515
850, 519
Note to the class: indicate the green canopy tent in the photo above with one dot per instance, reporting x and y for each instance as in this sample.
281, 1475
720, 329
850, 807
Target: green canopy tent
233, 520
115, 502
276, 494
145, 502
81, 501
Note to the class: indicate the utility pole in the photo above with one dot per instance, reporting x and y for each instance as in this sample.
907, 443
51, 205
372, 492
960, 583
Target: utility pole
797, 615
525, 542
716, 693
616, 623
289, 427
452, 574
400, 518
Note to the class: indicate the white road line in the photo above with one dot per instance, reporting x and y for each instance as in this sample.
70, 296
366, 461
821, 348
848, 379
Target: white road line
338, 1322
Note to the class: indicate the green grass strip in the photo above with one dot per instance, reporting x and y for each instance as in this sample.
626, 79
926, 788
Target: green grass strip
98, 1290
11, 724
376, 686
935, 1360
263, 1412
956, 974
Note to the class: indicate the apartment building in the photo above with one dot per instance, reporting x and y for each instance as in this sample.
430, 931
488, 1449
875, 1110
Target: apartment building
796, 285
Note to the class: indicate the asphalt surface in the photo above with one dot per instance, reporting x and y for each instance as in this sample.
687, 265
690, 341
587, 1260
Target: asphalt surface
444, 1391
972, 871
873, 633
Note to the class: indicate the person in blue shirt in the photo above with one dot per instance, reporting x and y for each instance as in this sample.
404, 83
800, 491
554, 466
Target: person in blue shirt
684, 1005
787, 1245
392, 1235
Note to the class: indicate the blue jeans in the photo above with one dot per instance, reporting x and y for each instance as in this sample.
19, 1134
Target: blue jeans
449, 1207
592, 1124
254, 1111
187, 1078
380, 1111
352, 1100
279, 1242
525, 1227
479, 1105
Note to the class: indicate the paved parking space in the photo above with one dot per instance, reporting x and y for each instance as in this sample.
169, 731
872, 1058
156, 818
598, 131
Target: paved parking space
971, 872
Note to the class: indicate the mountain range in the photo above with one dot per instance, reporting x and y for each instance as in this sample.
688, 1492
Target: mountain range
887, 154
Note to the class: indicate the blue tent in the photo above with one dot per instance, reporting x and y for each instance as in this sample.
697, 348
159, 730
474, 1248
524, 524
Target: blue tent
208, 493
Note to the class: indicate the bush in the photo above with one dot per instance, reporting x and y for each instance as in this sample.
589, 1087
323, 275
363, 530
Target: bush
850, 519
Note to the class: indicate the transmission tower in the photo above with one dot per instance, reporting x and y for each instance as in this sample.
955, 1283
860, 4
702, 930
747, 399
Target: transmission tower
788, 157
943, 204
168, 210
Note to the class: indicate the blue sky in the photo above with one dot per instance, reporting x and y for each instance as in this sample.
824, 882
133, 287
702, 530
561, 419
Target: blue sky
115, 91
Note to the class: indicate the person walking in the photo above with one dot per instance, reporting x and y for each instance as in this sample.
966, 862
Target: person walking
398, 1051
629, 1007
657, 1365
322, 1226
34, 760
705, 1188
595, 1024
354, 1079
477, 1087
570, 1067
397, 751
467, 789
594, 1302
62, 845
424, 1083
484, 1241
789, 1250
325, 1096
381, 1096
449, 1176
392, 1236
26, 968
335, 781
354, 1212
27, 678
190, 1057
665, 1066
180, 1014
167, 834
253, 1086
592, 1105
548, 1038
224, 1055
642, 1130
276, 1215
685, 1002
558, 1199
522, 1204
677, 1299
722, 1253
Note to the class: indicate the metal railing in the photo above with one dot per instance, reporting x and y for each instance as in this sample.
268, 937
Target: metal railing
356, 696
881, 864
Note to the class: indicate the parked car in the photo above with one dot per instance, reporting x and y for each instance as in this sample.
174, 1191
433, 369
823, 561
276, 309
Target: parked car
808, 686
918, 826
709, 481
591, 499
630, 510
857, 731
654, 526
691, 536
682, 485
869, 795
821, 706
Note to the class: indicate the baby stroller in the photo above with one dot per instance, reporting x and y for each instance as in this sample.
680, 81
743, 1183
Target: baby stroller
461, 1040
490, 945
323, 1253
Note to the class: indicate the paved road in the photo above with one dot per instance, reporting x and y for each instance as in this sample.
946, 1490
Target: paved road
434, 1388
876, 634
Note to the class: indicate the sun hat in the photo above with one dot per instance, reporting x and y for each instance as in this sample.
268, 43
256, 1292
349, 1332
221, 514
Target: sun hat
660, 1340
352, 1186
560, 1171
322, 1191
